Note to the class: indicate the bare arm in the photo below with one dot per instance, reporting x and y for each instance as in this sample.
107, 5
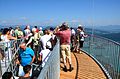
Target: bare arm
32, 60
11, 37
56, 29
85, 35
29, 41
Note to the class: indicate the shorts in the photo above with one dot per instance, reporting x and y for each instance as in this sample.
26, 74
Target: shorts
65, 51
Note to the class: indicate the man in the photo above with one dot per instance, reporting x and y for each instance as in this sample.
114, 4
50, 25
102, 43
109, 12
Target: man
45, 48
33, 42
64, 33
26, 57
45, 38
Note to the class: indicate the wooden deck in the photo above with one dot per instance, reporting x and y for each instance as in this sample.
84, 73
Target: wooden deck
84, 68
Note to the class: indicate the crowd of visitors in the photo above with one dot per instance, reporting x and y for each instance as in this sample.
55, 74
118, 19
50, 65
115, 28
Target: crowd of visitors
38, 43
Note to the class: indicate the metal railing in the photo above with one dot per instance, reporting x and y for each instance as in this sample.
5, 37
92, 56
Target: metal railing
107, 54
51, 70
10, 51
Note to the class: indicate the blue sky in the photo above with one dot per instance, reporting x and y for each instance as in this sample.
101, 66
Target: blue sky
54, 12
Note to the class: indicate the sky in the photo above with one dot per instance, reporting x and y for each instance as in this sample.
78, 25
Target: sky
54, 12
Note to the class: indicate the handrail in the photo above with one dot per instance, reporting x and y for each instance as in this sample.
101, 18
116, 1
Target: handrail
105, 39
106, 52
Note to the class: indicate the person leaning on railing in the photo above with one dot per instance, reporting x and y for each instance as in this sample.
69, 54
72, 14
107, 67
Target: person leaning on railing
6, 37
64, 33
80, 37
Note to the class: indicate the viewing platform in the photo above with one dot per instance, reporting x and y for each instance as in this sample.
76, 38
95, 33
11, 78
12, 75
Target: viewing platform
100, 59
84, 68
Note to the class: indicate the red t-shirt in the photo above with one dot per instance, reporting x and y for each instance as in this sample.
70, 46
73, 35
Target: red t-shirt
64, 37
37, 30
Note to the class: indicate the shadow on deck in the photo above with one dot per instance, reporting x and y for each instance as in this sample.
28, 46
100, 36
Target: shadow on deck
84, 68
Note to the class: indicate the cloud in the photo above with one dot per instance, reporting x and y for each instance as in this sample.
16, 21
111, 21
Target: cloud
3, 22
49, 21
23, 18
74, 21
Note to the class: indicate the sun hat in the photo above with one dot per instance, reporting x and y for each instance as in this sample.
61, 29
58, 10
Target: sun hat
40, 28
79, 25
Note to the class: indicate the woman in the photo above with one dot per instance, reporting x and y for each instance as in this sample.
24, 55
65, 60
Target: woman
81, 37
6, 37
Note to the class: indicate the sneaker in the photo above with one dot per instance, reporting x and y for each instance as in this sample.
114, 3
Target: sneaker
80, 52
65, 69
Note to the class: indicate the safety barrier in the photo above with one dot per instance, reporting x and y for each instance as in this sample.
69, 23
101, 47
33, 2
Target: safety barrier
106, 53
50, 70
9, 51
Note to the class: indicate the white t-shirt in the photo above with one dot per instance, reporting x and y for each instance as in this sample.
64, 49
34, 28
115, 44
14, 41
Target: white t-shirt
73, 32
27, 32
45, 56
44, 39
6, 40
82, 34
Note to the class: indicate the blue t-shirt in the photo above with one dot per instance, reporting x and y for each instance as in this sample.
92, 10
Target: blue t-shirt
26, 56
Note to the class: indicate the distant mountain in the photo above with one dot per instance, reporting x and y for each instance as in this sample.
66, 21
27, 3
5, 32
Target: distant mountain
95, 31
109, 28
113, 36
112, 31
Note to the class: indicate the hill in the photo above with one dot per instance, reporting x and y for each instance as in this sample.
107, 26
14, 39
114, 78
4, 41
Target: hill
109, 28
113, 36
110, 35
